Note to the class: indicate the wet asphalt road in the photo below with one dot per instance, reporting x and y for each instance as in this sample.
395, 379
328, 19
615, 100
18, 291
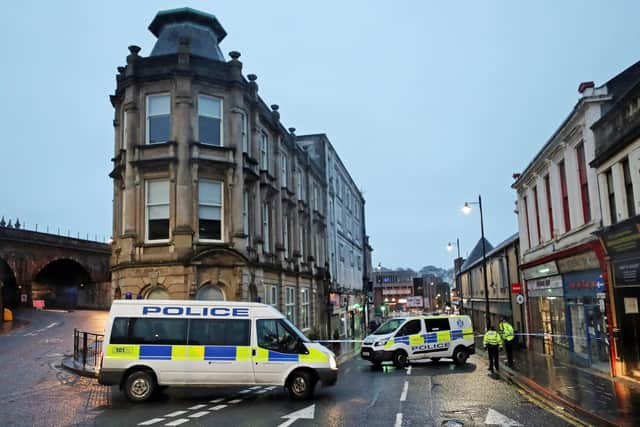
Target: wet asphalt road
34, 390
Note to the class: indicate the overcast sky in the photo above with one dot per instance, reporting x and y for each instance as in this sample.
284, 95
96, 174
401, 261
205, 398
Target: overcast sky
428, 103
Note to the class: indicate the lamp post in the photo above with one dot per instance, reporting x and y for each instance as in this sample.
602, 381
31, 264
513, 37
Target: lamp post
466, 209
458, 265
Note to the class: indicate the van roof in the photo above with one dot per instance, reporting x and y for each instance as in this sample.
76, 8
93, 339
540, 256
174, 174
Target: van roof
189, 302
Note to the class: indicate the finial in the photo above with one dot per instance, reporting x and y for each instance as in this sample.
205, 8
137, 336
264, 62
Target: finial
252, 77
2, 222
121, 69
10, 225
275, 107
134, 49
17, 225
292, 130
234, 54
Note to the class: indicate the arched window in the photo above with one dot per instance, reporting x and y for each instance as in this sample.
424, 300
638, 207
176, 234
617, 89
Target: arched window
210, 292
158, 292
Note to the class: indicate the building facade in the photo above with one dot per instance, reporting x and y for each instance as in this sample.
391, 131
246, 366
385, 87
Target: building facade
213, 197
502, 272
617, 164
391, 289
562, 262
346, 236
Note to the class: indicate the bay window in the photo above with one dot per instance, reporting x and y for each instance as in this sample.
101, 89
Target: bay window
158, 118
210, 120
157, 210
210, 203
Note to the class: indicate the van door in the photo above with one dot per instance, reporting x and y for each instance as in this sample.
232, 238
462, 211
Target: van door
276, 351
438, 337
219, 352
410, 334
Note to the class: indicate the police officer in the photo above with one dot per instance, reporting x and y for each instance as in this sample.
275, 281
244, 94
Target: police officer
507, 334
492, 342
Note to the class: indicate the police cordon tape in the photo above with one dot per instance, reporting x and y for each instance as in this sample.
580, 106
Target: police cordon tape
543, 335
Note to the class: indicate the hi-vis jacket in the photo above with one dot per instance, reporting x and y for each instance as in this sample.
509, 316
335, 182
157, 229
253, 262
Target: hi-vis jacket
506, 330
492, 338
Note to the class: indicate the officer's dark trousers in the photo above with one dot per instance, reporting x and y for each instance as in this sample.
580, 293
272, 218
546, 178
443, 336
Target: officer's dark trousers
508, 346
494, 351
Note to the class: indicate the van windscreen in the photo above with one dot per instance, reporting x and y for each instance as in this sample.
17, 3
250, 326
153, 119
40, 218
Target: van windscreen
389, 326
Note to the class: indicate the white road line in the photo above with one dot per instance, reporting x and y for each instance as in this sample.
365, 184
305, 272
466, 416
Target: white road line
261, 391
176, 413
398, 420
409, 370
256, 387
245, 391
403, 396
151, 421
217, 400
217, 408
234, 401
51, 325
199, 414
271, 387
197, 407
178, 422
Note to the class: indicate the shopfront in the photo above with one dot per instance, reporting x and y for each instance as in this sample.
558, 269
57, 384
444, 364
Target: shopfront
622, 242
548, 322
586, 321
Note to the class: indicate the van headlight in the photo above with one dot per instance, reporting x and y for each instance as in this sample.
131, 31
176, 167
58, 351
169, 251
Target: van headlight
332, 362
380, 343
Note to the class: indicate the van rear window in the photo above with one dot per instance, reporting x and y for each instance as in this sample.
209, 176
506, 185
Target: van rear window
434, 325
219, 332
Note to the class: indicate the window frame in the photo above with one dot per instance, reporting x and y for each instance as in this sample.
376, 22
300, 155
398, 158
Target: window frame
266, 228
264, 151
564, 191
305, 306
244, 132
147, 127
290, 303
628, 187
147, 183
221, 183
245, 212
284, 176
537, 209
547, 190
583, 182
611, 196
221, 118
526, 219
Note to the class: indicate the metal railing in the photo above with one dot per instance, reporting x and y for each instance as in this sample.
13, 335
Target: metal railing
87, 347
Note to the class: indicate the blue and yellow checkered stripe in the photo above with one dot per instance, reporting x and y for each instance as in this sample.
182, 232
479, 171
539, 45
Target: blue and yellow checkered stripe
208, 352
432, 337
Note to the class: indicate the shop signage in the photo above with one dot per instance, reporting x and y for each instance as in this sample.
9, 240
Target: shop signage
627, 273
516, 288
414, 301
582, 283
396, 291
550, 286
622, 237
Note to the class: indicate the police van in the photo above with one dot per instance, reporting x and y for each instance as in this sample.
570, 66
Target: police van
404, 339
152, 344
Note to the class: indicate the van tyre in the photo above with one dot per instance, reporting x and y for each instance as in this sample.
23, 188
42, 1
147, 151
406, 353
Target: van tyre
460, 356
301, 385
139, 386
400, 359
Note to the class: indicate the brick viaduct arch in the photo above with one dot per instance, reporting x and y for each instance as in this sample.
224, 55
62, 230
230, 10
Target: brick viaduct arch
45, 266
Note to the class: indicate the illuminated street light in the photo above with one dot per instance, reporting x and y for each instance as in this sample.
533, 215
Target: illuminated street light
466, 209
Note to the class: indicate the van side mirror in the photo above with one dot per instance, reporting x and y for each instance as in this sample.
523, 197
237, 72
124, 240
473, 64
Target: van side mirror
302, 349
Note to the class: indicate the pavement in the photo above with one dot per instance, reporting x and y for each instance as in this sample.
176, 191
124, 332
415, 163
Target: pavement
592, 396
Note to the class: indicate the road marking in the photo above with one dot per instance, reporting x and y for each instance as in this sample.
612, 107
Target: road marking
217, 400
197, 407
271, 387
398, 420
409, 370
151, 421
245, 391
307, 413
496, 418
256, 387
178, 422
199, 414
261, 391
176, 413
403, 396
217, 408
234, 401
51, 325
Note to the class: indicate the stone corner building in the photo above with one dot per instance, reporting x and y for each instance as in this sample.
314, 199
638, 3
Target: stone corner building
213, 197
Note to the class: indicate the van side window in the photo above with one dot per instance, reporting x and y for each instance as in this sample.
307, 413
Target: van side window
149, 331
412, 327
435, 325
219, 332
273, 334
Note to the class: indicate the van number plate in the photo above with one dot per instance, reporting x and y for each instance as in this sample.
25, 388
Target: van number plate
366, 353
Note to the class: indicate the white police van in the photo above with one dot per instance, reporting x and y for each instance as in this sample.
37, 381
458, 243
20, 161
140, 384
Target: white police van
152, 344
403, 339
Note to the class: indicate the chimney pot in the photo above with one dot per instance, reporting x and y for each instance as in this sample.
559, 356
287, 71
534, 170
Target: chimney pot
134, 49
585, 85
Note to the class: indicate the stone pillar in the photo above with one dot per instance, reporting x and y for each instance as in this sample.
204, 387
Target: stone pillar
182, 114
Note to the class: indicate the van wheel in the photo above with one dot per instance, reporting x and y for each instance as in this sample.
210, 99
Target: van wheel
301, 385
460, 356
400, 359
139, 386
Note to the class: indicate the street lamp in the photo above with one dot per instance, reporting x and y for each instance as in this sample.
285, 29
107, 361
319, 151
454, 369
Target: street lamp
466, 209
458, 265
